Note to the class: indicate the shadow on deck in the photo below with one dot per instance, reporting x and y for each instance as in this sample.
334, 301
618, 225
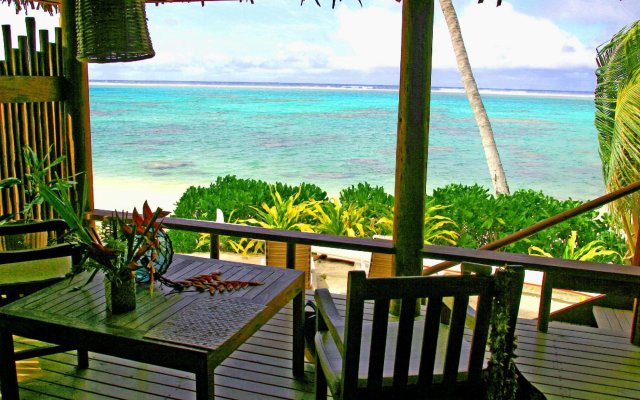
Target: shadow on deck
568, 362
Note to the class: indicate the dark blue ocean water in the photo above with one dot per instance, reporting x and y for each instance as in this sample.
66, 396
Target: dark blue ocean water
336, 136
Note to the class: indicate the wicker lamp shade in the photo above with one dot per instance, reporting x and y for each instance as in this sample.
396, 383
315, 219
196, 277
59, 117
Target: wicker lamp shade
112, 31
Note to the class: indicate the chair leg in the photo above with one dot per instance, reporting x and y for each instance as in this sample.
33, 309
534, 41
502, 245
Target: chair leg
83, 359
320, 382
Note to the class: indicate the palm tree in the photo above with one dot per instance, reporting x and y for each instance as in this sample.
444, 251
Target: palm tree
498, 176
617, 100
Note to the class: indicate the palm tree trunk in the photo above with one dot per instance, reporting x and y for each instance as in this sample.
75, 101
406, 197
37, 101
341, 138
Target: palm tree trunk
498, 176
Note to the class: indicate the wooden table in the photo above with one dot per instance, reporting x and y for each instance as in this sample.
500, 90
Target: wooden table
78, 318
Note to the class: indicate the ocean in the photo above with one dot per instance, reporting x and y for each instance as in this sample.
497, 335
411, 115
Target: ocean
335, 136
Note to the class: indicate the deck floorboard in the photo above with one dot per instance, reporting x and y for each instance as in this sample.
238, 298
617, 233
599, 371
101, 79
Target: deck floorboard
569, 362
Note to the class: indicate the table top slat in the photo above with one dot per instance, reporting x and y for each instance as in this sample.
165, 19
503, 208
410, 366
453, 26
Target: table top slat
61, 313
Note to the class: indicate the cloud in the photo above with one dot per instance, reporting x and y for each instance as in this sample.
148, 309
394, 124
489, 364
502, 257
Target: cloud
43, 21
372, 34
617, 12
501, 37
281, 42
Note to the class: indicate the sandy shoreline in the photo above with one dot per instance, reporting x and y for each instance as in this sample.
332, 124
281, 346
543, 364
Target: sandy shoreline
124, 194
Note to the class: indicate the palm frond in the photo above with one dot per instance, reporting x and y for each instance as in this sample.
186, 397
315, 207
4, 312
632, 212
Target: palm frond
617, 100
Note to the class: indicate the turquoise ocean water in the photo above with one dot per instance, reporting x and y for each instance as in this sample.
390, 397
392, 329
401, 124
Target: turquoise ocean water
336, 136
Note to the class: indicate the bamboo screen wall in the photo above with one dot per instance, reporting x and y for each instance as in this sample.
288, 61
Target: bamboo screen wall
31, 112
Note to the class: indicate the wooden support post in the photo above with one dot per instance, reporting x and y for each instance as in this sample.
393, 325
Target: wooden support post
413, 133
291, 255
76, 105
214, 246
544, 310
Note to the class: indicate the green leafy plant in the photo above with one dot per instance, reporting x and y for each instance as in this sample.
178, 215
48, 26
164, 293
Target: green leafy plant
374, 200
331, 217
482, 218
125, 246
242, 246
438, 229
286, 214
232, 195
593, 250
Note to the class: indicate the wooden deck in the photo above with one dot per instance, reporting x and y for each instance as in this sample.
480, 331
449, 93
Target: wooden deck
577, 362
569, 362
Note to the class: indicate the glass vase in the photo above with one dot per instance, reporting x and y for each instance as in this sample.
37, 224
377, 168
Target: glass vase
120, 294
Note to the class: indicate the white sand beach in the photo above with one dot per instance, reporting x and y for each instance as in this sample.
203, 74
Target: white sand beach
121, 194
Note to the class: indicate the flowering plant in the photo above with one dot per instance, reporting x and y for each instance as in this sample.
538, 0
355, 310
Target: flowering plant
123, 247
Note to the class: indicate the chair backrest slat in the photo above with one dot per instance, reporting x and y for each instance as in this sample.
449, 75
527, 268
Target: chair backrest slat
429, 344
480, 336
454, 343
403, 343
378, 345
356, 295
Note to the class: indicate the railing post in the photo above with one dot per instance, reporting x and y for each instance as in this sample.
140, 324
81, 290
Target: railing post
544, 311
214, 246
291, 255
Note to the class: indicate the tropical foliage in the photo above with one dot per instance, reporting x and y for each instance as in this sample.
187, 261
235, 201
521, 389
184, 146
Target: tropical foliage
437, 228
592, 251
122, 248
333, 218
617, 100
233, 196
289, 214
469, 216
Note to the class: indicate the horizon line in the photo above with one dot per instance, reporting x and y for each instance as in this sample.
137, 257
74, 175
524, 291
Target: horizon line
324, 84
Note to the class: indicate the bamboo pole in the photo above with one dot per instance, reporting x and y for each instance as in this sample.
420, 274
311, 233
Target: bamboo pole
10, 120
20, 130
5, 207
56, 53
32, 115
413, 132
45, 70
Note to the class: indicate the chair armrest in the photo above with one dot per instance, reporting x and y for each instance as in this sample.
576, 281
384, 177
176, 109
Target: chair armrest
58, 250
56, 225
329, 317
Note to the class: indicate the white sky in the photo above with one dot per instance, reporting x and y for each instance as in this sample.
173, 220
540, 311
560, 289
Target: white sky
543, 44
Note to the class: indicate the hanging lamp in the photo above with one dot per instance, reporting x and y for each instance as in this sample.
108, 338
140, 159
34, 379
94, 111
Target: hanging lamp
112, 31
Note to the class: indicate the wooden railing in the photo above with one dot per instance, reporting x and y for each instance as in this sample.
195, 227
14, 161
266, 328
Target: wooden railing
606, 277
551, 221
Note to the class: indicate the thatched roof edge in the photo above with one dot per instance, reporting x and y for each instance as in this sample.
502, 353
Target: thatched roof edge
47, 5
53, 6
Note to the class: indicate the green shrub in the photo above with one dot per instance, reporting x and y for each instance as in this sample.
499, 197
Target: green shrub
375, 201
483, 218
236, 198
480, 217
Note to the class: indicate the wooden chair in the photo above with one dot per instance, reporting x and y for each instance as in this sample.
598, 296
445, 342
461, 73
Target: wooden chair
33, 256
411, 358
276, 256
